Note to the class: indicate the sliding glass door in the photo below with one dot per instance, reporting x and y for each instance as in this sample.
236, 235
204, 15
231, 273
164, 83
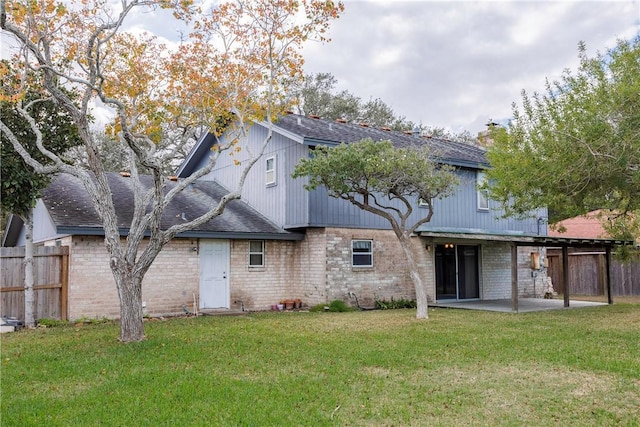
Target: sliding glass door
457, 272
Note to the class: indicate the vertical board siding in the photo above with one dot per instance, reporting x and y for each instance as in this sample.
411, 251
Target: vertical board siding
456, 211
288, 204
587, 274
50, 278
269, 200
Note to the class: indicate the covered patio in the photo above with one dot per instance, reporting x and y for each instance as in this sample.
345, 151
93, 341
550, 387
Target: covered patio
516, 303
525, 305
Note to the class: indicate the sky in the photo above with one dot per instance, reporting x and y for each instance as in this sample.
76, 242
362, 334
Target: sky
459, 64
456, 64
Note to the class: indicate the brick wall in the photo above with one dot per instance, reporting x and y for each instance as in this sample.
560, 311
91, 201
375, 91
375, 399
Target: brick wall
496, 272
387, 278
292, 270
257, 288
92, 289
171, 281
316, 270
529, 286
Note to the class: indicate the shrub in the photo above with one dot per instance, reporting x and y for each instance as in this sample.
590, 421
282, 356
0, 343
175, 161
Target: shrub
339, 306
395, 304
318, 308
50, 323
334, 307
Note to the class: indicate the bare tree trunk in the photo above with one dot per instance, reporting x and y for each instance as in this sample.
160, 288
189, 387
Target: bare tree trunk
130, 293
418, 283
29, 293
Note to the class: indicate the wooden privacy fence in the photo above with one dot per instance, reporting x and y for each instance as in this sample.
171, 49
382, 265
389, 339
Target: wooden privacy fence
587, 274
50, 271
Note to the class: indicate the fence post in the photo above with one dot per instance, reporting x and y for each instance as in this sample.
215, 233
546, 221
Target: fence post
565, 274
608, 274
64, 281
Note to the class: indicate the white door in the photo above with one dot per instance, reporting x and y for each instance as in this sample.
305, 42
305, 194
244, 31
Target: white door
214, 274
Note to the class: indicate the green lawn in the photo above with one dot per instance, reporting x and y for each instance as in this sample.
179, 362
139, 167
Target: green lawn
567, 367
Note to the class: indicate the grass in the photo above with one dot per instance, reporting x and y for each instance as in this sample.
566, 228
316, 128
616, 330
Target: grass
375, 368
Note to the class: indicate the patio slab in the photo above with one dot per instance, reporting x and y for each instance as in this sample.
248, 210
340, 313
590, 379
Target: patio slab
525, 305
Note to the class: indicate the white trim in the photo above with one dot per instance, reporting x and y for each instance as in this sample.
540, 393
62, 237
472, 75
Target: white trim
370, 253
261, 253
482, 196
270, 175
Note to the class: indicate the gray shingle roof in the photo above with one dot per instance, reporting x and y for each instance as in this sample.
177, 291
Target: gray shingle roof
316, 130
72, 210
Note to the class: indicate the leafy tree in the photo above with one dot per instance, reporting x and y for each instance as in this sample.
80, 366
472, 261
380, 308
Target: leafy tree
378, 113
21, 185
576, 147
316, 96
230, 69
386, 181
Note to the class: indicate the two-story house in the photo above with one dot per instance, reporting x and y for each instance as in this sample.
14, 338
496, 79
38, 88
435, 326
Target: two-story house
283, 242
350, 254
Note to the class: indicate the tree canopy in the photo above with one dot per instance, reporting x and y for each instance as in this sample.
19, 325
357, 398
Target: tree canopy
21, 185
317, 96
233, 66
386, 181
576, 148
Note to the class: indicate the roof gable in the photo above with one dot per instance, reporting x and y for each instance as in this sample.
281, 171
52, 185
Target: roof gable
587, 226
72, 211
319, 131
314, 131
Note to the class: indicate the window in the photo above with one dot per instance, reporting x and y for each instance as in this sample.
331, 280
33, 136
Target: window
362, 253
271, 171
256, 253
483, 195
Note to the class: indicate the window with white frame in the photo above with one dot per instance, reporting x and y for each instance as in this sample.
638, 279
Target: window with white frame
270, 177
362, 253
483, 195
256, 253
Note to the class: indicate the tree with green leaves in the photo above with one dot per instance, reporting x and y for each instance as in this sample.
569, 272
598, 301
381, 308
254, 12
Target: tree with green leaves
576, 148
386, 181
317, 96
21, 185
232, 68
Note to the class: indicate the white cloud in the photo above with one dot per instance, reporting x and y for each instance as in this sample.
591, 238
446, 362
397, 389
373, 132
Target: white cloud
458, 63
450, 63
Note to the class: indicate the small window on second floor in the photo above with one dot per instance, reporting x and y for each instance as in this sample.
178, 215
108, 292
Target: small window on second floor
256, 253
483, 195
362, 253
270, 171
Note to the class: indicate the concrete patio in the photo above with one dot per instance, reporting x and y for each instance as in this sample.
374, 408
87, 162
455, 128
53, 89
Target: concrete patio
525, 305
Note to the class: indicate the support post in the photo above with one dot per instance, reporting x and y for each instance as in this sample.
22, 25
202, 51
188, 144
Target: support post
607, 261
565, 274
64, 290
514, 278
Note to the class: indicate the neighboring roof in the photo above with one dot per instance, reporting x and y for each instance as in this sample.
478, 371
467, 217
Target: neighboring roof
318, 131
588, 225
314, 131
12, 230
72, 210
